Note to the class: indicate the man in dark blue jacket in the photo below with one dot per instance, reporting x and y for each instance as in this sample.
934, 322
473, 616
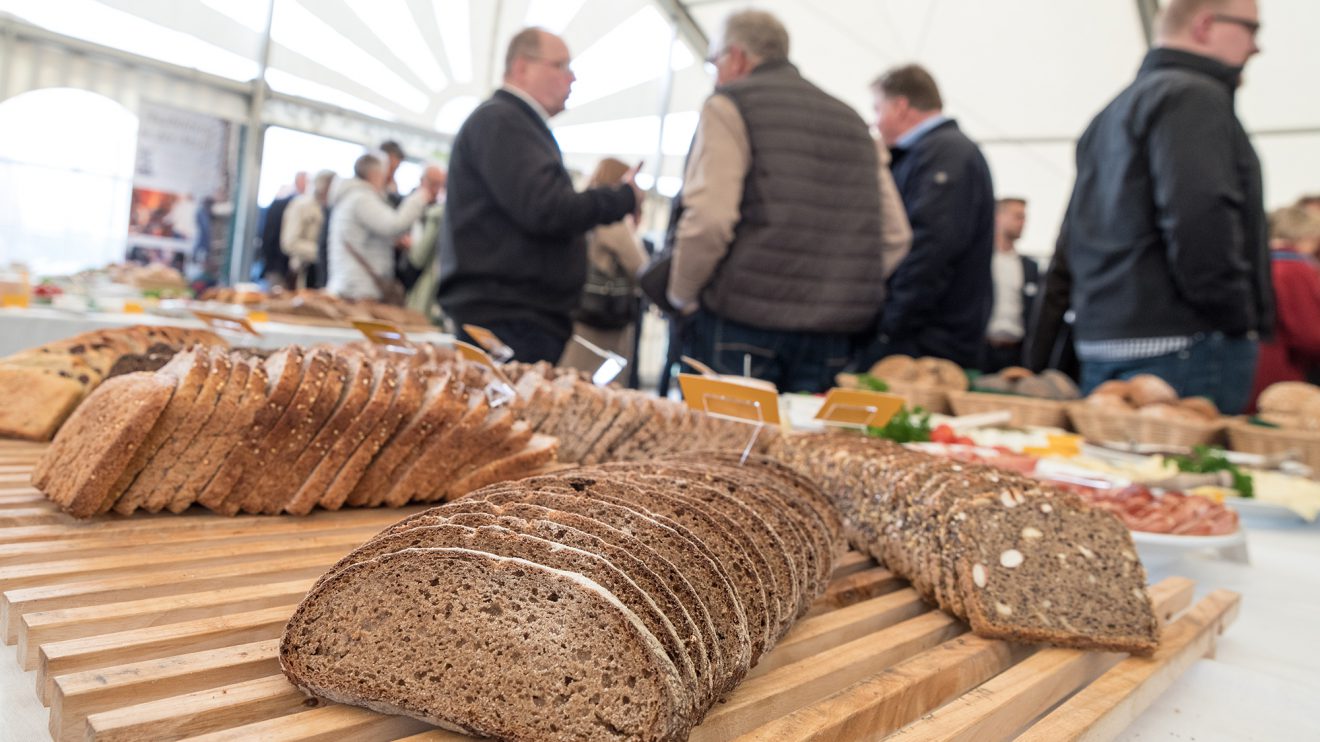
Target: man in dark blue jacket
513, 251
1165, 231
940, 296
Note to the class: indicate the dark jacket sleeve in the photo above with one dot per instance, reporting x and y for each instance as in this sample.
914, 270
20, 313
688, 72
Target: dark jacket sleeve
936, 209
1051, 305
1199, 202
527, 180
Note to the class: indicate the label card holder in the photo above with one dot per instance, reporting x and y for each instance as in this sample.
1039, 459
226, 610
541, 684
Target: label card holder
500, 391
386, 335
858, 408
226, 323
729, 400
491, 342
612, 364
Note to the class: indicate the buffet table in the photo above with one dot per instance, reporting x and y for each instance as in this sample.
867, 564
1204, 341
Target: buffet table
26, 328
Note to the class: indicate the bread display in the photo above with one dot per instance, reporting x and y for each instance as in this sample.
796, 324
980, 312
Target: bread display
922, 373
1292, 405
599, 604
41, 386
1151, 396
1049, 384
1017, 559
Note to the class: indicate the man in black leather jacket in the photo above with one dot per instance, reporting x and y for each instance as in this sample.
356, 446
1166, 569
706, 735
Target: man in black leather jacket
1165, 231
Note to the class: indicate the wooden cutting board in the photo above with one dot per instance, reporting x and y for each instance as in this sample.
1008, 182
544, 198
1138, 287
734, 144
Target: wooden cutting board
167, 627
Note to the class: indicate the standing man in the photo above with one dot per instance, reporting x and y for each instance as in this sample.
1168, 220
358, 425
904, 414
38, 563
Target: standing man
783, 246
513, 255
940, 296
1017, 281
275, 264
1166, 227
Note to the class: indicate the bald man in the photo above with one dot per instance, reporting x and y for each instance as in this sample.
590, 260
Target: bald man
1165, 232
513, 255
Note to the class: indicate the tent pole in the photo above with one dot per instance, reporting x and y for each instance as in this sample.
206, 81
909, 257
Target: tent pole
685, 24
245, 216
1147, 10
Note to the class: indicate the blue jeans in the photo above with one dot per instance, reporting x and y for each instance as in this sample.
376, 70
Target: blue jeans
793, 361
1214, 366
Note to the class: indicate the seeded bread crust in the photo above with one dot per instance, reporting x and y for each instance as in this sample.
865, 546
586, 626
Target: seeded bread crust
93, 448
226, 437
157, 471
357, 389
319, 486
440, 406
193, 457
410, 389
486, 597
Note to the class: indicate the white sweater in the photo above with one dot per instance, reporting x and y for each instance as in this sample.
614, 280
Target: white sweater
361, 217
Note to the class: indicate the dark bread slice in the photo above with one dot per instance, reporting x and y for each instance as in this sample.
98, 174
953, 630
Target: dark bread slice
157, 471
1079, 584
600, 412
671, 541
318, 488
736, 553
474, 447
99, 440
527, 627
533, 457
283, 374
215, 444
440, 406
624, 551
411, 389
192, 458
711, 516
276, 447
358, 381
656, 415
518, 436
191, 369
428, 475
275, 483
502, 541
625, 423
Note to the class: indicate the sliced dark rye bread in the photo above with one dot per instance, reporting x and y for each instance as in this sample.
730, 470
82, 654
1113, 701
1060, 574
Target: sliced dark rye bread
736, 554
270, 490
1078, 584
755, 491
99, 439
212, 447
157, 471
501, 541
631, 418
358, 381
316, 489
715, 517
424, 479
623, 550
656, 414
284, 372
411, 388
599, 415
474, 447
190, 369
270, 449
537, 453
441, 405
527, 627
192, 457
697, 562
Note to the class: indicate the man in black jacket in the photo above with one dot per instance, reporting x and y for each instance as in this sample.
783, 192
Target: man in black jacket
275, 264
513, 251
1166, 230
940, 296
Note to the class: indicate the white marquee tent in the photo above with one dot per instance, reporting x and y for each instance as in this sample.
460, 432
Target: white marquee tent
1023, 77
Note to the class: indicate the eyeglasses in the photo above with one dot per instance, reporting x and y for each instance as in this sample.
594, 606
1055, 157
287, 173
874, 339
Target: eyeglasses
563, 65
1252, 27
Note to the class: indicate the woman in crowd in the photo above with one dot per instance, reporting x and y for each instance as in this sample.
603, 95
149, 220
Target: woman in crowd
607, 314
1295, 349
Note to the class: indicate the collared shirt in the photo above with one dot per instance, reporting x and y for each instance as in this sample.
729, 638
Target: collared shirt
1006, 318
528, 99
917, 132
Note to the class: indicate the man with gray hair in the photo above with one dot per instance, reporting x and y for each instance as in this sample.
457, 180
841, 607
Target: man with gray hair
1165, 233
789, 223
513, 254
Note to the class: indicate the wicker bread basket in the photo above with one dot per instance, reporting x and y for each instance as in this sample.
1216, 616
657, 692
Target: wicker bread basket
1248, 438
1107, 426
929, 398
1047, 413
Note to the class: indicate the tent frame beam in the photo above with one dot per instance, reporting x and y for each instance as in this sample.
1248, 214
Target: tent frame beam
1147, 10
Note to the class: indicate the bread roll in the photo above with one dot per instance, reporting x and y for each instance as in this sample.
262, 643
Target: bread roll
1064, 387
1308, 418
1115, 388
1170, 412
939, 373
1110, 402
1287, 397
895, 368
1148, 389
1012, 373
1201, 406
1034, 386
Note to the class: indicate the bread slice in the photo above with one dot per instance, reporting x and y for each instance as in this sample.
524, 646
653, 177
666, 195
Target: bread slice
99, 440
426, 477
358, 387
440, 408
411, 387
318, 487
538, 452
191, 369
533, 630
36, 401
283, 375
156, 473
277, 482
214, 444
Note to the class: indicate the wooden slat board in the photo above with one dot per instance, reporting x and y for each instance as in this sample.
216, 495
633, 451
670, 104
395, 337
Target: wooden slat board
167, 627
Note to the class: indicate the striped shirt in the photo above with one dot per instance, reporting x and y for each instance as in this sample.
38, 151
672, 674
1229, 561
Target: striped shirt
1131, 349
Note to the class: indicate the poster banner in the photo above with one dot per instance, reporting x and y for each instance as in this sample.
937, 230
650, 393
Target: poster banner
183, 168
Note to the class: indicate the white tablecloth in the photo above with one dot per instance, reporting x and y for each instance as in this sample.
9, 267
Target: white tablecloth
26, 328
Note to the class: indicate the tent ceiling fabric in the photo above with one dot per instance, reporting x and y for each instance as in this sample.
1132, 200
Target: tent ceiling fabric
1023, 77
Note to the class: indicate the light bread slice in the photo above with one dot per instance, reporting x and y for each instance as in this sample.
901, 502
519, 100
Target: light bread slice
411, 388
536, 454
214, 444
358, 388
318, 487
440, 407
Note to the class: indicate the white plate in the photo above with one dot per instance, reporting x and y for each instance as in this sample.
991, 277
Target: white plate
1159, 550
1259, 510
